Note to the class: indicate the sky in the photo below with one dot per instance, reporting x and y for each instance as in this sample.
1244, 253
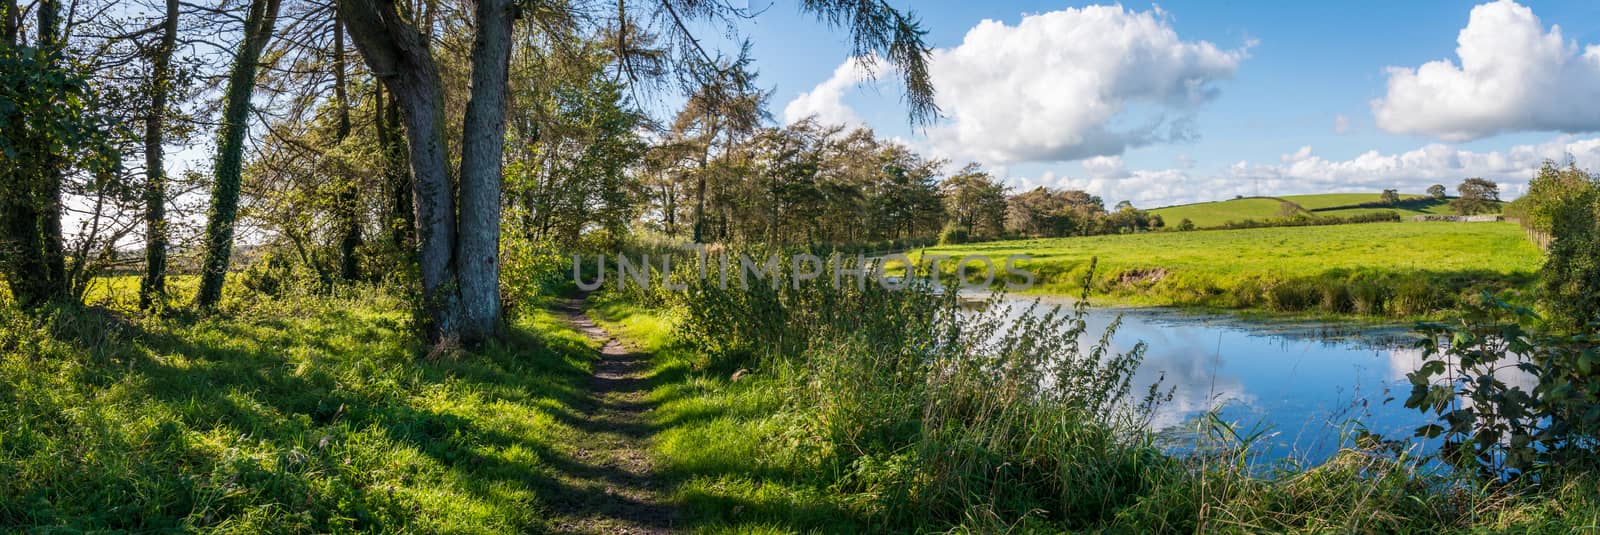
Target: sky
1190, 101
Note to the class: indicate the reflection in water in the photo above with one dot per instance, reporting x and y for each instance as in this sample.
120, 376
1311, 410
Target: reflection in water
1306, 382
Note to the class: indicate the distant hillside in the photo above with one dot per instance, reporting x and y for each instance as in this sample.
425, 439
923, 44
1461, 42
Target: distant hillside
1219, 213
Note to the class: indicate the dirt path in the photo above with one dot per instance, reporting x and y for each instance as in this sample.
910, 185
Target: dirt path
619, 492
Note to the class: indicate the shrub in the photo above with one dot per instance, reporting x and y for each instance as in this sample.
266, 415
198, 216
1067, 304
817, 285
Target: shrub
269, 275
1335, 296
1368, 298
1186, 224
1414, 297
1293, 295
1494, 426
531, 273
954, 234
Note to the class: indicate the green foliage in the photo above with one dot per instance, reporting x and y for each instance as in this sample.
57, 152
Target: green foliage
1436, 191
51, 125
976, 201
269, 275
1186, 225
1390, 197
1553, 191
1570, 277
531, 274
912, 401
953, 234
1476, 196
1493, 425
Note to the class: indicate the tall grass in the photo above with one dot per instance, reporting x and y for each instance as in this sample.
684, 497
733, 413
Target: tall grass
877, 410
929, 413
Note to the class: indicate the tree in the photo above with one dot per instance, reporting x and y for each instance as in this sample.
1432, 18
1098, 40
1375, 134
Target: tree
975, 201
154, 283
1390, 197
1045, 212
224, 209
1477, 196
460, 283
349, 208
1436, 191
1565, 202
50, 125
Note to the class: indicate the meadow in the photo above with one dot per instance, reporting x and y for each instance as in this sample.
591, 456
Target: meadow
1377, 269
1219, 213
289, 414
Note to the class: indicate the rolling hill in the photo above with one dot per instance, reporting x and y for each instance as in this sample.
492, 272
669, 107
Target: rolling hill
1219, 213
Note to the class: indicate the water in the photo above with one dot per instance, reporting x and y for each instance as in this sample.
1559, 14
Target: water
1307, 384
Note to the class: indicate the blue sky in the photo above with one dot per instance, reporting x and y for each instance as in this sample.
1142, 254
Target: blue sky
1289, 71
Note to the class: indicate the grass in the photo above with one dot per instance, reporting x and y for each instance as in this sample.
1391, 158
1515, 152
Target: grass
1219, 213
301, 414
716, 440
836, 439
1384, 269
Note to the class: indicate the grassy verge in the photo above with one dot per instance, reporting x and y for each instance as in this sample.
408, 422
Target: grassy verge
304, 414
849, 435
1393, 270
726, 445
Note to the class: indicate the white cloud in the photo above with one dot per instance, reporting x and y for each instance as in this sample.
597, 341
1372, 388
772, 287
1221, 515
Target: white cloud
1341, 124
826, 101
1304, 172
1303, 153
1072, 84
1058, 86
1513, 76
1105, 167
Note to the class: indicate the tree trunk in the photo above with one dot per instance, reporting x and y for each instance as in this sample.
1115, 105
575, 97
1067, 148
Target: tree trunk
230, 151
482, 150
349, 203
30, 213
401, 218
154, 283
700, 198
398, 55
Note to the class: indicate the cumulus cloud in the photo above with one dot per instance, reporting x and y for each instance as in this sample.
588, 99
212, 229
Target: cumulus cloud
1304, 172
1513, 76
826, 100
1058, 86
1073, 84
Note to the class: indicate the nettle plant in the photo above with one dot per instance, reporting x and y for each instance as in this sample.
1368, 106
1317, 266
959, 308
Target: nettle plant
1490, 423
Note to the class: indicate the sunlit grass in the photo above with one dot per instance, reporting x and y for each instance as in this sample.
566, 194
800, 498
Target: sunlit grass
1239, 268
1218, 213
719, 439
303, 414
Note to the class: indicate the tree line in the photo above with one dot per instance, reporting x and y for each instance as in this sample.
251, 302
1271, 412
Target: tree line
409, 139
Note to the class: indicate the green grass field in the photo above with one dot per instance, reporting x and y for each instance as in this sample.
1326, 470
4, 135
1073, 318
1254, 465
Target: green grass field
1219, 213
295, 415
1386, 269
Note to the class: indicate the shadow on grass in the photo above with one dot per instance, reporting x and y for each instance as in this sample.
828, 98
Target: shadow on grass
321, 420
712, 437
